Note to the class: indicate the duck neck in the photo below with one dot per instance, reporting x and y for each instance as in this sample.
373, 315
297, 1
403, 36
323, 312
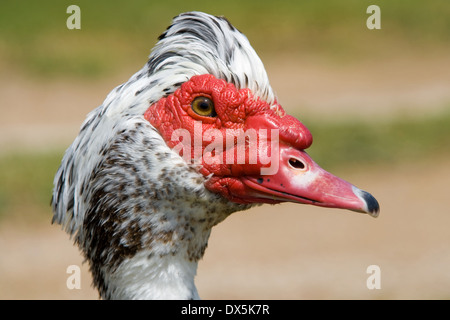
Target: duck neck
164, 267
149, 276
147, 219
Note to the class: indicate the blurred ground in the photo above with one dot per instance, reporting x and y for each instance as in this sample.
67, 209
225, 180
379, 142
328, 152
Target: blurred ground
286, 252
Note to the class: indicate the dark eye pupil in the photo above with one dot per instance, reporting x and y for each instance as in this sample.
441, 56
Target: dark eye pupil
204, 105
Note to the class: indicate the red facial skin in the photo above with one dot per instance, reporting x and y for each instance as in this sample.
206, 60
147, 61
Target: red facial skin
297, 178
236, 110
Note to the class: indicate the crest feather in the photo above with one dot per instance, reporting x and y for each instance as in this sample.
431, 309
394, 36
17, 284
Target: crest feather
198, 43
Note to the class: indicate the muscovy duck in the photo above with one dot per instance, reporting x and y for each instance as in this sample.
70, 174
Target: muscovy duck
192, 137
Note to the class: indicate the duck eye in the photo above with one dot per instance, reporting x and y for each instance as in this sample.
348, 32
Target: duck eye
203, 106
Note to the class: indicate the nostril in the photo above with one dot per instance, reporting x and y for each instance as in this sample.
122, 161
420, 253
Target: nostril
296, 164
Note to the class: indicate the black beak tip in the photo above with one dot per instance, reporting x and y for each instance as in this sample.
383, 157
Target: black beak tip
373, 207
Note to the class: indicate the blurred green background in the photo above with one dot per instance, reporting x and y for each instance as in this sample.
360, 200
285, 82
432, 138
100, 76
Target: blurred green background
39, 53
34, 37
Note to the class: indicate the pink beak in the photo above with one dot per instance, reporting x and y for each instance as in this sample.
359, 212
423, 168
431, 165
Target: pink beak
299, 179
